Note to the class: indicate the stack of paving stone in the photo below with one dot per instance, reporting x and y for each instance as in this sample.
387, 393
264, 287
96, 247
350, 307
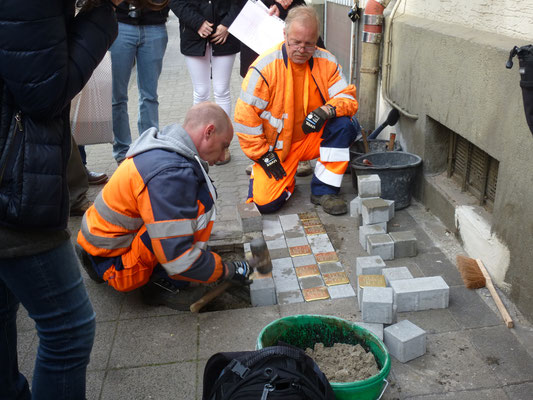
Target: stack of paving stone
382, 291
373, 214
305, 266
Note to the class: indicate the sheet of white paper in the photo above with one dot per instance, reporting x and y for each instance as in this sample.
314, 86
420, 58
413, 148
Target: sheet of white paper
255, 28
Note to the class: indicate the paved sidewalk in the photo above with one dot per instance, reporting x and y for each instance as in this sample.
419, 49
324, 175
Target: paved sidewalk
145, 352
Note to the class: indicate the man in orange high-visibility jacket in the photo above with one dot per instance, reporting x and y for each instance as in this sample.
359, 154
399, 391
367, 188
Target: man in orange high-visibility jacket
152, 220
295, 105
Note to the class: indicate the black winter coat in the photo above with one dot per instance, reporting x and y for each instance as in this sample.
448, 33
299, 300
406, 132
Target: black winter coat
193, 13
46, 57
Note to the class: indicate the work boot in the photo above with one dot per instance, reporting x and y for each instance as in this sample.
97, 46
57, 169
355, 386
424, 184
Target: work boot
304, 168
331, 203
249, 169
161, 292
87, 264
95, 178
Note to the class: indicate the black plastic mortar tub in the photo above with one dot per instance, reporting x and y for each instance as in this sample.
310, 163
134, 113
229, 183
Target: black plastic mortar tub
397, 171
374, 145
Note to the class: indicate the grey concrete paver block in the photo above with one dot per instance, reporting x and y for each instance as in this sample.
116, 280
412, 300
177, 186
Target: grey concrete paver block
383, 225
377, 304
284, 275
272, 228
396, 273
370, 265
304, 260
250, 217
320, 243
263, 292
417, 294
374, 211
328, 268
369, 185
367, 230
405, 340
311, 282
391, 208
355, 205
380, 245
279, 253
290, 297
290, 221
405, 244
341, 291
276, 244
298, 241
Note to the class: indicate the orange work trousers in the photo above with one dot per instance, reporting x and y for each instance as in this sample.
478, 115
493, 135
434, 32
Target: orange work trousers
269, 194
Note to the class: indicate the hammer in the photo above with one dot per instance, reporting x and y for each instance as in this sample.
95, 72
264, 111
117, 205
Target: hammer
259, 261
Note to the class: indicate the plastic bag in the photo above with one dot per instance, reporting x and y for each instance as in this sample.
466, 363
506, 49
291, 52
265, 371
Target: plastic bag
91, 111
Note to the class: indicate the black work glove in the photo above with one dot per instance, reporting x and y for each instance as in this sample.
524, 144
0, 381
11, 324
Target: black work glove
315, 119
238, 272
272, 165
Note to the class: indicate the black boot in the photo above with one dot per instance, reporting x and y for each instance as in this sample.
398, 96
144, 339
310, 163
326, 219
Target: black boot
86, 264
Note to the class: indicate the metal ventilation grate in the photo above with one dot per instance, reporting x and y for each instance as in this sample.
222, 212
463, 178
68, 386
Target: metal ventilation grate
474, 170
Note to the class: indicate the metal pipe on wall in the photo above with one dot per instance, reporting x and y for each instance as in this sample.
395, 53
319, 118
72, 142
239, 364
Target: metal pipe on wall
369, 70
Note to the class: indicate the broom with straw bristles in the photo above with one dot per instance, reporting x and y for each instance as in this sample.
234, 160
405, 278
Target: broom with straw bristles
476, 276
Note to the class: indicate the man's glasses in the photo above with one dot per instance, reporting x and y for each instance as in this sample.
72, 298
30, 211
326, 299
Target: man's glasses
302, 48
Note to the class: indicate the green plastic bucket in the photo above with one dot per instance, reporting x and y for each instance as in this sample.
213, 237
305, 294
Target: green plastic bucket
304, 331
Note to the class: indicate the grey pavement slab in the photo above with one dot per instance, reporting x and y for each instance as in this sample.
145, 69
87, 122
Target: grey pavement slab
469, 310
162, 382
451, 363
232, 330
173, 340
503, 354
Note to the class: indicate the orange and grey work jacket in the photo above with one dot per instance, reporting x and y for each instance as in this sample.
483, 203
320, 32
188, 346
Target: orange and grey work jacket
265, 108
161, 193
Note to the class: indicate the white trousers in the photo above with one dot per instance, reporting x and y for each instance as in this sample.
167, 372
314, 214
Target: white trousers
217, 68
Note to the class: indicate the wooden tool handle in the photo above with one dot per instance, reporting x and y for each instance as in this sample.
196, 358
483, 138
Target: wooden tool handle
391, 141
206, 298
501, 307
365, 141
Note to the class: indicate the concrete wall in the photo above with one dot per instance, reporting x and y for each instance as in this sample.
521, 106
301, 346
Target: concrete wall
454, 77
513, 18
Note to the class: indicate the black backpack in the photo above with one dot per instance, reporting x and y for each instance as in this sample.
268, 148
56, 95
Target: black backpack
276, 372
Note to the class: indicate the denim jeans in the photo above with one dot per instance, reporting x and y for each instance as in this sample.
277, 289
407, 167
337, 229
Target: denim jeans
144, 45
50, 287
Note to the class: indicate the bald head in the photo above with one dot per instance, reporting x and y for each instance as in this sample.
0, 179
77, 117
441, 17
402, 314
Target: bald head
210, 129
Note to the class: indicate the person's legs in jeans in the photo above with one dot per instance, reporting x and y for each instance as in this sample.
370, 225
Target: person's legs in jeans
150, 53
200, 72
222, 67
123, 53
50, 287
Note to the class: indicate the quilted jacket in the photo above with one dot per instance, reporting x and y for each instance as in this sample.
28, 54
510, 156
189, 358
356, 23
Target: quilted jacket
46, 57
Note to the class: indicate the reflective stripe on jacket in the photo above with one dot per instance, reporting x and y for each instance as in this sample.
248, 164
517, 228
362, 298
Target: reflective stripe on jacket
167, 193
265, 107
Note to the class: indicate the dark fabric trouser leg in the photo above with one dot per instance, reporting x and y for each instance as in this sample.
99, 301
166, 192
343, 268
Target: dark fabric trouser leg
77, 180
